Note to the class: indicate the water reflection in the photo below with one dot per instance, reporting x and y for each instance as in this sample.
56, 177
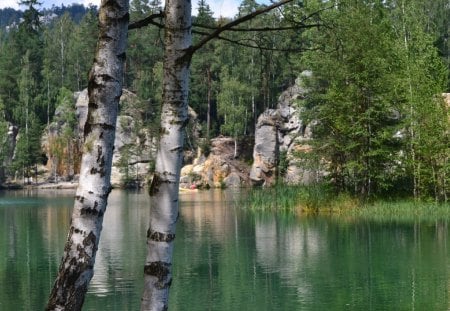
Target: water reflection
227, 259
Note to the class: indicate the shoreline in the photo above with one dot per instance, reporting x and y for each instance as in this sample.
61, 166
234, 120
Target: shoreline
64, 185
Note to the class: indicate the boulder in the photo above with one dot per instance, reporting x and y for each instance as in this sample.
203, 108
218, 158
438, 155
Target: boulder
232, 180
219, 169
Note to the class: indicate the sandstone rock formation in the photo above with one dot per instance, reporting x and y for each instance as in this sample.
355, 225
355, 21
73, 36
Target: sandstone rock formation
133, 145
217, 170
280, 137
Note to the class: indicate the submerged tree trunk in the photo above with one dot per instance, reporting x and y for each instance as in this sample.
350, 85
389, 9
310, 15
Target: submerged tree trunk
164, 186
105, 89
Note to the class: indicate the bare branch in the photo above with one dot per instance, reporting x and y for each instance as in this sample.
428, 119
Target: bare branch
261, 29
255, 45
149, 20
235, 22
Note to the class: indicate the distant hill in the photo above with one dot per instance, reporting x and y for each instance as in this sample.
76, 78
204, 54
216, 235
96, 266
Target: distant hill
76, 11
10, 16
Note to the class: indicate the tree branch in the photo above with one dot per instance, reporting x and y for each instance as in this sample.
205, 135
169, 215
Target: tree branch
233, 23
147, 21
300, 26
260, 47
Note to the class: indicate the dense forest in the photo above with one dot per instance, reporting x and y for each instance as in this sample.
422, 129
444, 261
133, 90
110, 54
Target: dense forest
378, 71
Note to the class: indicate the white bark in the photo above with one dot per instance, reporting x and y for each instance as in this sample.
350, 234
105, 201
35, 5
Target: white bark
105, 88
165, 183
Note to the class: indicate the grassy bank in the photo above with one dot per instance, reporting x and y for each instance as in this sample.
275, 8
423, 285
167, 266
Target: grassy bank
401, 210
318, 199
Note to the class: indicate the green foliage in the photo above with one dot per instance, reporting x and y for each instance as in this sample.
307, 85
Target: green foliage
295, 199
28, 151
400, 211
4, 147
205, 146
233, 105
283, 163
373, 90
128, 171
426, 119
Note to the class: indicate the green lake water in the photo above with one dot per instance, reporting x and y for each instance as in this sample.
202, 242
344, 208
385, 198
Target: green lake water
228, 259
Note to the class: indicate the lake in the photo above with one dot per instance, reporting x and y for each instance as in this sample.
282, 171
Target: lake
227, 258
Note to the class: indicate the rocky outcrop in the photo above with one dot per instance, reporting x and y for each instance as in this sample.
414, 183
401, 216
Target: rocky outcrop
219, 169
134, 147
280, 137
266, 150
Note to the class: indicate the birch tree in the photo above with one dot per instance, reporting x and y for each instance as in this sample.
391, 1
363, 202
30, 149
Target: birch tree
178, 51
164, 186
105, 88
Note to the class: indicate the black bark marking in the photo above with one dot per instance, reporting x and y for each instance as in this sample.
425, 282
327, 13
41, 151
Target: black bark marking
124, 18
177, 149
107, 127
107, 78
154, 185
160, 270
105, 196
122, 56
87, 127
93, 105
72, 299
90, 239
99, 154
78, 231
159, 236
80, 198
100, 171
91, 211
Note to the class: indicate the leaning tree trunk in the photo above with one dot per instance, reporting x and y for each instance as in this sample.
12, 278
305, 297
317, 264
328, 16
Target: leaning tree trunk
164, 186
105, 89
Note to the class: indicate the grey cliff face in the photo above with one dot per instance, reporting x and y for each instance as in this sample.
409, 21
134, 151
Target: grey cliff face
280, 131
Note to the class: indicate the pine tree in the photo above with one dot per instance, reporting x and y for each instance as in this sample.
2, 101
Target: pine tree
424, 111
354, 99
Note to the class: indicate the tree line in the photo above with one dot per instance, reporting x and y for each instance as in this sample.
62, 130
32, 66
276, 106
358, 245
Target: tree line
378, 66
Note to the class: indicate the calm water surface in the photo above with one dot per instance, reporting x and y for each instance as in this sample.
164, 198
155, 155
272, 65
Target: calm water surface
228, 259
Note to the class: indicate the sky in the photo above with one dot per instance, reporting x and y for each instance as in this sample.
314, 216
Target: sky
226, 8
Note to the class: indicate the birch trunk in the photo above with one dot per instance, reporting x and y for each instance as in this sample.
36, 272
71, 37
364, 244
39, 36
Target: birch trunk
105, 88
164, 186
